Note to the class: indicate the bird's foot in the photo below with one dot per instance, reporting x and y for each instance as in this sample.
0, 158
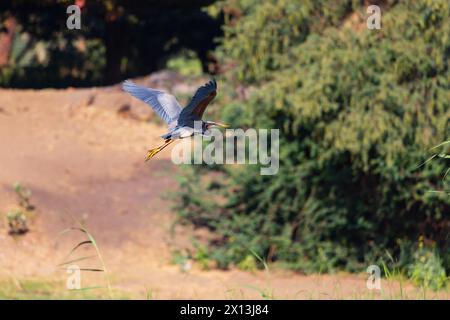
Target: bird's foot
151, 153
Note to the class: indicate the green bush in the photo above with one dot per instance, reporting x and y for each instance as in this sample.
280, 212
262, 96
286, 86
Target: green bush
357, 111
427, 269
17, 222
185, 63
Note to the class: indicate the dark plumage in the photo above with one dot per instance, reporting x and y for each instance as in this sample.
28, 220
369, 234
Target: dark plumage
181, 122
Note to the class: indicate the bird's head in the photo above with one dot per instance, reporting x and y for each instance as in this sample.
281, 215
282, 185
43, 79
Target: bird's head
212, 124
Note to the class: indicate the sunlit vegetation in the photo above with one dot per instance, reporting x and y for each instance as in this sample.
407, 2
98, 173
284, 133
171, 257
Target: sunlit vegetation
357, 111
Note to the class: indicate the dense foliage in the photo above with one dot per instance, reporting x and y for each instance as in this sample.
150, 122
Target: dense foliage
117, 39
357, 110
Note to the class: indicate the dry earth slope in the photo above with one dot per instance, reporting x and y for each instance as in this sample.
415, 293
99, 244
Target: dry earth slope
80, 152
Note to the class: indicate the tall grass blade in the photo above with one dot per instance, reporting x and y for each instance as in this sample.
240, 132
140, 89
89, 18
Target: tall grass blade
440, 145
428, 160
91, 240
88, 288
79, 245
76, 260
263, 261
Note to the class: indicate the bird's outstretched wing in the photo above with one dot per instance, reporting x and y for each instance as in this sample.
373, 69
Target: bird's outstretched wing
200, 100
164, 104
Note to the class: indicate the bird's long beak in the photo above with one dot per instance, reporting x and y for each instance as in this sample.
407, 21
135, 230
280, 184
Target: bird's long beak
221, 125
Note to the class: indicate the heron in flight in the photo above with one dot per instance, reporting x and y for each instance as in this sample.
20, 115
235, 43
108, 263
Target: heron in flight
180, 121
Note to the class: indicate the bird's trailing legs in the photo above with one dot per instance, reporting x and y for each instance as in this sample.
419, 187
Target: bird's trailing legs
152, 152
